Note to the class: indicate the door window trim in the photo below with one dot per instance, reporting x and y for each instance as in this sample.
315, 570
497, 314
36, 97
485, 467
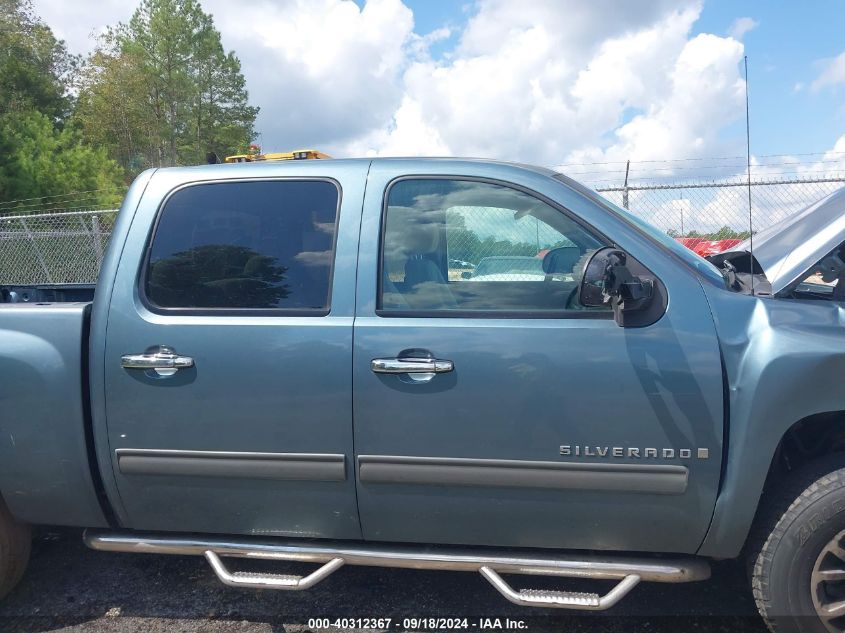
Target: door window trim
603, 315
141, 277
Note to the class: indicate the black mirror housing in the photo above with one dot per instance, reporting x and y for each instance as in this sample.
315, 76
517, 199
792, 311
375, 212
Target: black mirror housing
612, 277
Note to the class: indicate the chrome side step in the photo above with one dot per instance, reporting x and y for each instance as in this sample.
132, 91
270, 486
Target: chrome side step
270, 581
629, 571
561, 599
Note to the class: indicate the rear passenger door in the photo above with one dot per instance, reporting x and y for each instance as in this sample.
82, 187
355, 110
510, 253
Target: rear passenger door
252, 280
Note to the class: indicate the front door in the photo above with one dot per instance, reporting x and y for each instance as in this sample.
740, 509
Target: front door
490, 407
248, 284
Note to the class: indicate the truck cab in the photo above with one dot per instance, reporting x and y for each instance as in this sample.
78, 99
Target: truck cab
252, 274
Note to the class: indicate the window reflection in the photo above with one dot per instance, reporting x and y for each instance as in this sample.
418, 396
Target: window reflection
254, 245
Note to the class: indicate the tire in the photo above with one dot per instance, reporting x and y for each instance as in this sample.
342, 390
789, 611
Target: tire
800, 517
15, 543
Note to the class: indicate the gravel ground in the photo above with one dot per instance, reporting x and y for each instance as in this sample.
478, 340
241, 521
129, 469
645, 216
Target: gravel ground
71, 588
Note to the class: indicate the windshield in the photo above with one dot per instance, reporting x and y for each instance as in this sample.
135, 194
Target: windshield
691, 258
503, 265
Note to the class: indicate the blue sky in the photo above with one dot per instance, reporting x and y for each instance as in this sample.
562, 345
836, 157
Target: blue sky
784, 51
553, 82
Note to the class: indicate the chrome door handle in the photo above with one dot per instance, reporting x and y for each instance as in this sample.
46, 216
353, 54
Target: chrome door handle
164, 360
411, 366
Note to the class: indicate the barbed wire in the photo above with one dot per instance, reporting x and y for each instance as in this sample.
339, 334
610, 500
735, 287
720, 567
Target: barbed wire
39, 216
697, 158
58, 195
723, 184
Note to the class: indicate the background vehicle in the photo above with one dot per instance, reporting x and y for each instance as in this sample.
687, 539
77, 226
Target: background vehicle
636, 399
509, 268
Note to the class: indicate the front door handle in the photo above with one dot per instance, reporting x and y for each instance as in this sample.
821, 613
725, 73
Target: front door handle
411, 366
159, 358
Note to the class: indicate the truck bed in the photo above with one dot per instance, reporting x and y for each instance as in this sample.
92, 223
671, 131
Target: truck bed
45, 440
52, 293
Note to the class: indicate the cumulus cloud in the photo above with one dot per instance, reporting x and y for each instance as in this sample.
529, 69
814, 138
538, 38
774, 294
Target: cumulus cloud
322, 71
556, 82
833, 72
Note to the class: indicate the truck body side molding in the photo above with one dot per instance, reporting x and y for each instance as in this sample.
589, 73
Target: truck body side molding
279, 466
510, 473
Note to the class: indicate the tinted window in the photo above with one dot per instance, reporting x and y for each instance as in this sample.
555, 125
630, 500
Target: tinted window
245, 245
465, 245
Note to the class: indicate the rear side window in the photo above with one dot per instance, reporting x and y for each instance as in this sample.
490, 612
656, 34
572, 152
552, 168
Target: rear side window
245, 246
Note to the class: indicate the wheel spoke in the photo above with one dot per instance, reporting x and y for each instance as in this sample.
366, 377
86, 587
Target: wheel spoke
834, 609
837, 550
831, 575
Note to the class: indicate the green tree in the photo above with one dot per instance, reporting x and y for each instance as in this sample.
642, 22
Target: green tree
39, 160
728, 233
41, 157
35, 67
724, 233
113, 110
186, 95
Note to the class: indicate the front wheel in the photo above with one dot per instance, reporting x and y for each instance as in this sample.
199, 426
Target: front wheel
798, 551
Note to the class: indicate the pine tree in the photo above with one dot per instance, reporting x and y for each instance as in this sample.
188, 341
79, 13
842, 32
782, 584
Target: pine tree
186, 95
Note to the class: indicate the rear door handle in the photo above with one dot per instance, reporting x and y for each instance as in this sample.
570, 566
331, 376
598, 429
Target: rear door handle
411, 366
160, 358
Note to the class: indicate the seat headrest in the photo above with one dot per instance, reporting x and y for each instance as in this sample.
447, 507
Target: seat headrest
561, 259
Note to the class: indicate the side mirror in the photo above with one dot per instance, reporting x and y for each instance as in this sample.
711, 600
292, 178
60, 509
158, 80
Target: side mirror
612, 278
466, 275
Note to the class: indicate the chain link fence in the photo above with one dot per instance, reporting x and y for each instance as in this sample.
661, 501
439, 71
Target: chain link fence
719, 210
62, 248
54, 248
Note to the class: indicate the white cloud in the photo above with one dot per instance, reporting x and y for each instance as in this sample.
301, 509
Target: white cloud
833, 72
555, 82
407, 130
322, 71
741, 26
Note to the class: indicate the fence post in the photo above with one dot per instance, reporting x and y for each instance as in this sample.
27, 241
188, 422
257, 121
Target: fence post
98, 239
625, 188
37, 252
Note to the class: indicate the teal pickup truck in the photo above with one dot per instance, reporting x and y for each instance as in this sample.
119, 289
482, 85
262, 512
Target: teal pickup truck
295, 361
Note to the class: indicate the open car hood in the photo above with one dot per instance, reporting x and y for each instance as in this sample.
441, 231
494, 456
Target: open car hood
787, 250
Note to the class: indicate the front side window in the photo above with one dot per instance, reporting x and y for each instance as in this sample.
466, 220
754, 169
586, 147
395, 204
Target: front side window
476, 246
245, 246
